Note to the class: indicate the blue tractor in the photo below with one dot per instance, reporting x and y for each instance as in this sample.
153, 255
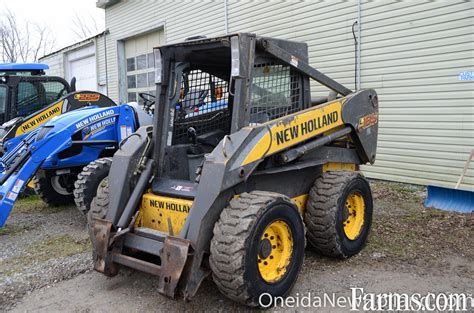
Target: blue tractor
65, 148
68, 156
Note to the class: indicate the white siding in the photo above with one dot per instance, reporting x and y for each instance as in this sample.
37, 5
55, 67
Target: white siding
180, 19
100, 62
412, 53
55, 63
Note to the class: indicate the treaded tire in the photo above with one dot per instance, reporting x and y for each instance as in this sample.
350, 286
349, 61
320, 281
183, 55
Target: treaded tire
43, 186
324, 213
100, 203
238, 232
88, 181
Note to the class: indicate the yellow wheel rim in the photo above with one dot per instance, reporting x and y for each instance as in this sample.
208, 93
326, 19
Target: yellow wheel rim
354, 211
274, 251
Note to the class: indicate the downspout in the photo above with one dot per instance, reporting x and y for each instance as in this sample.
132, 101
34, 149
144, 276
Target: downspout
105, 57
226, 18
359, 40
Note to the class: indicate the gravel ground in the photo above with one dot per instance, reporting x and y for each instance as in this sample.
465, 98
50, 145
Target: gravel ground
45, 260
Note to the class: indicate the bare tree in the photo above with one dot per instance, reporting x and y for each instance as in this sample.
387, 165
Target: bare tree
84, 26
23, 42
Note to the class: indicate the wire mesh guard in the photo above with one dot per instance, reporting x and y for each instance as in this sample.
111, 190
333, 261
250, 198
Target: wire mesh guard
34, 95
203, 104
276, 92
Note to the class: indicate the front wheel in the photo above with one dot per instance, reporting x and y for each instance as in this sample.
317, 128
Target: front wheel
55, 189
257, 248
88, 181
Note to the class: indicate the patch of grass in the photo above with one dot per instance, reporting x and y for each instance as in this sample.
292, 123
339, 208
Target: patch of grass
12, 230
419, 234
34, 204
397, 192
51, 248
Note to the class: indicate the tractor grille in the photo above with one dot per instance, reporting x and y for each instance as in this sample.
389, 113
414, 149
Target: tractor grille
276, 92
203, 104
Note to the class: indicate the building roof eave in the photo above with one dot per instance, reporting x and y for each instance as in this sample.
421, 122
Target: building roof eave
103, 4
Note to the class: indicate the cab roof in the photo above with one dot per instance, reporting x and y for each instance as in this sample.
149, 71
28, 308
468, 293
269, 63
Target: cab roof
22, 67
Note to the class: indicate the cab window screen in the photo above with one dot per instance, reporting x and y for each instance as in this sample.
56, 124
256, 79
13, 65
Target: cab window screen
276, 92
28, 98
54, 91
32, 96
3, 98
203, 104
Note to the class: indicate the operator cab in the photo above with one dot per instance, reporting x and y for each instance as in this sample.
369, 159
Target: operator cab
201, 91
24, 89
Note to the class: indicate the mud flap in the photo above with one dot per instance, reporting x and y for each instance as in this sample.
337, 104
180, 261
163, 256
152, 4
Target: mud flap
173, 260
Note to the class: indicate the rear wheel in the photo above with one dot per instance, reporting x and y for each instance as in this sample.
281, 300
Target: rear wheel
55, 189
258, 247
88, 181
339, 213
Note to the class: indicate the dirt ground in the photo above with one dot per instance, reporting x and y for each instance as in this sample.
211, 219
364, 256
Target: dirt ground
45, 261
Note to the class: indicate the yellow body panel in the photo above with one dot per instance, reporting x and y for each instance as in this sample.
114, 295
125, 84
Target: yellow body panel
40, 118
296, 128
301, 202
155, 211
339, 167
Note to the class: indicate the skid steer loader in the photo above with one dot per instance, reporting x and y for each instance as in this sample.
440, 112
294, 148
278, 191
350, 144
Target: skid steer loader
240, 168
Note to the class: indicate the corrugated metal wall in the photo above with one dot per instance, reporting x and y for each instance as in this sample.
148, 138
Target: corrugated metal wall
412, 53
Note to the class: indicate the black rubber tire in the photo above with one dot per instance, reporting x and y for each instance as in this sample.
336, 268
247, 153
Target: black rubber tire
237, 233
100, 203
43, 187
324, 213
85, 187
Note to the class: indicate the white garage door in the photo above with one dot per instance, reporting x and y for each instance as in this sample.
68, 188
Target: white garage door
82, 65
140, 64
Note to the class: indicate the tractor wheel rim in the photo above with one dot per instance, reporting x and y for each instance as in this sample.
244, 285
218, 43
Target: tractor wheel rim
354, 222
58, 186
273, 263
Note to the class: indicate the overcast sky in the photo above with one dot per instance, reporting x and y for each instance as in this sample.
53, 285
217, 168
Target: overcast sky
58, 14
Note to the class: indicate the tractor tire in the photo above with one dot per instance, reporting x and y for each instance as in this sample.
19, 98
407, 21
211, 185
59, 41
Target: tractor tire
85, 187
55, 190
258, 247
100, 203
339, 214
